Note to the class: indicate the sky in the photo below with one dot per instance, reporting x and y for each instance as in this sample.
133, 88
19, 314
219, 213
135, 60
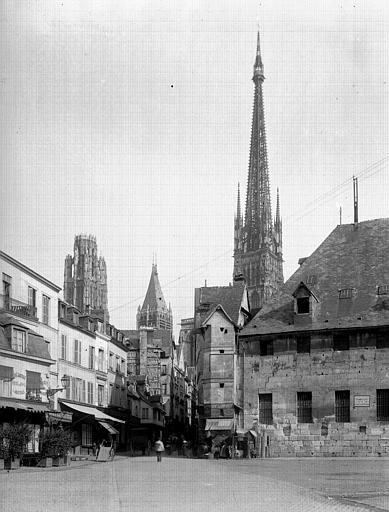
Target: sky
131, 121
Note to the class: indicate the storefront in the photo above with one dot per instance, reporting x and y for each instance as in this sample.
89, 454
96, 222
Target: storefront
13, 411
90, 427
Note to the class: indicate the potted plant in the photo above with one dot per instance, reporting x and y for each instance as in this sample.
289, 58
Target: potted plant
55, 446
14, 440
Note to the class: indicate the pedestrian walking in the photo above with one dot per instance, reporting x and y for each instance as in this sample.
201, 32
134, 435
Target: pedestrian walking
159, 448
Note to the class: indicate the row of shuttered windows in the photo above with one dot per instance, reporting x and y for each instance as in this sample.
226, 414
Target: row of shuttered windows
304, 406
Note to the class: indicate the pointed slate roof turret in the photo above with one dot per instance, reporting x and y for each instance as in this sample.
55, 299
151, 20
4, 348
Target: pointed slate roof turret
154, 312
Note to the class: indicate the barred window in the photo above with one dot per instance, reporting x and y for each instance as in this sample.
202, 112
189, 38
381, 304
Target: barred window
346, 293
265, 408
383, 404
303, 343
304, 407
382, 340
341, 341
383, 289
266, 348
342, 406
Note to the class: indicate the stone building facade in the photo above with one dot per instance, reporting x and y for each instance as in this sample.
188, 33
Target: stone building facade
85, 278
220, 312
257, 240
314, 360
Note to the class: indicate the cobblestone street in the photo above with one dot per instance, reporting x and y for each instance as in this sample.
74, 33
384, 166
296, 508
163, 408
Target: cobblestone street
209, 485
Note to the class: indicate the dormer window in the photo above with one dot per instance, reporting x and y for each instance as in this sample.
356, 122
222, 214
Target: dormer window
18, 342
302, 305
311, 279
345, 293
383, 289
305, 302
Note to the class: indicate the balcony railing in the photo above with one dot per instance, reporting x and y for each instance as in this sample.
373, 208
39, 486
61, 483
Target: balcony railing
17, 307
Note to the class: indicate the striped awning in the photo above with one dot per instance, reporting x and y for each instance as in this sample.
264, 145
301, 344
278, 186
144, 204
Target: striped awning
24, 405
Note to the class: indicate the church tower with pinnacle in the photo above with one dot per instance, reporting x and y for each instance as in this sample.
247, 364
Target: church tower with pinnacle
154, 312
257, 240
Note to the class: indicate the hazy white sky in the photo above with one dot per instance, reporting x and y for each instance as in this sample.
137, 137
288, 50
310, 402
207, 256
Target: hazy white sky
131, 121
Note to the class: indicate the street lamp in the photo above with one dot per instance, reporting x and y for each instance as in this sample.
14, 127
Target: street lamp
65, 381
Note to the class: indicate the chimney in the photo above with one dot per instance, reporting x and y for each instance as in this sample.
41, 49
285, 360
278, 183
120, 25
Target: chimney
355, 190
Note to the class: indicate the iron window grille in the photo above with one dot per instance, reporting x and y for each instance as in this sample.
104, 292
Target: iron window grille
346, 293
383, 289
304, 407
341, 341
266, 348
303, 343
342, 406
382, 340
383, 404
265, 408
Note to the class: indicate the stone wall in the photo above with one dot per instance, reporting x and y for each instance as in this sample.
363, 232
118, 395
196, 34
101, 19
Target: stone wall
361, 371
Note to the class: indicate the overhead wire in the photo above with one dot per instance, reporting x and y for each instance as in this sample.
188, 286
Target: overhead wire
368, 172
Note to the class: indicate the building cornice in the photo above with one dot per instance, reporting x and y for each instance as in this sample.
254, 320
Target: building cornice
29, 271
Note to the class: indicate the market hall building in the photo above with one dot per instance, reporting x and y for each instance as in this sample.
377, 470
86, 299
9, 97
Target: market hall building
314, 360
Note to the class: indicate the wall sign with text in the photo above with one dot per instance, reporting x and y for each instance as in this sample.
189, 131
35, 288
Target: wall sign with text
362, 401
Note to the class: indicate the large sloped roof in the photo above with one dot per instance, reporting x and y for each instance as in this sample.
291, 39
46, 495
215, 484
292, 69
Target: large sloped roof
351, 257
229, 297
154, 296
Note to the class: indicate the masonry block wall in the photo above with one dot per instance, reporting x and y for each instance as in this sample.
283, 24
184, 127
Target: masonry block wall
322, 373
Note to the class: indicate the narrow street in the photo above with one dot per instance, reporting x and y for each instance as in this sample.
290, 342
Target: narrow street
208, 485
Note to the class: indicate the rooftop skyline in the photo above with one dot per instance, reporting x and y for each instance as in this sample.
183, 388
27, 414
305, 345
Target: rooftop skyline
132, 123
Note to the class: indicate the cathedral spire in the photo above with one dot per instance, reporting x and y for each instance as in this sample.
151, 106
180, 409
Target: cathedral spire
278, 219
258, 65
257, 241
258, 216
238, 209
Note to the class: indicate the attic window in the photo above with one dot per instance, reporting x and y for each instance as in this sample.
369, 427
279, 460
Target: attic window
383, 289
302, 305
345, 293
311, 279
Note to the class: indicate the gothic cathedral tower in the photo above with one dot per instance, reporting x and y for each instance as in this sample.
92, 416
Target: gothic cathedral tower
257, 241
85, 278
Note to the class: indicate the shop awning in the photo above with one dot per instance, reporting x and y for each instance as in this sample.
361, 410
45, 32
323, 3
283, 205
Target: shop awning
24, 405
219, 424
108, 427
92, 411
253, 433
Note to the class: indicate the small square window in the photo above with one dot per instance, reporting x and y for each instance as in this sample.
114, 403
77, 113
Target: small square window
341, 341
345, 293
221, 384
383, 289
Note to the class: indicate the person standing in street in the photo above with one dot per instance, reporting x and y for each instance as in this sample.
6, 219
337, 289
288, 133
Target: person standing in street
159, 448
